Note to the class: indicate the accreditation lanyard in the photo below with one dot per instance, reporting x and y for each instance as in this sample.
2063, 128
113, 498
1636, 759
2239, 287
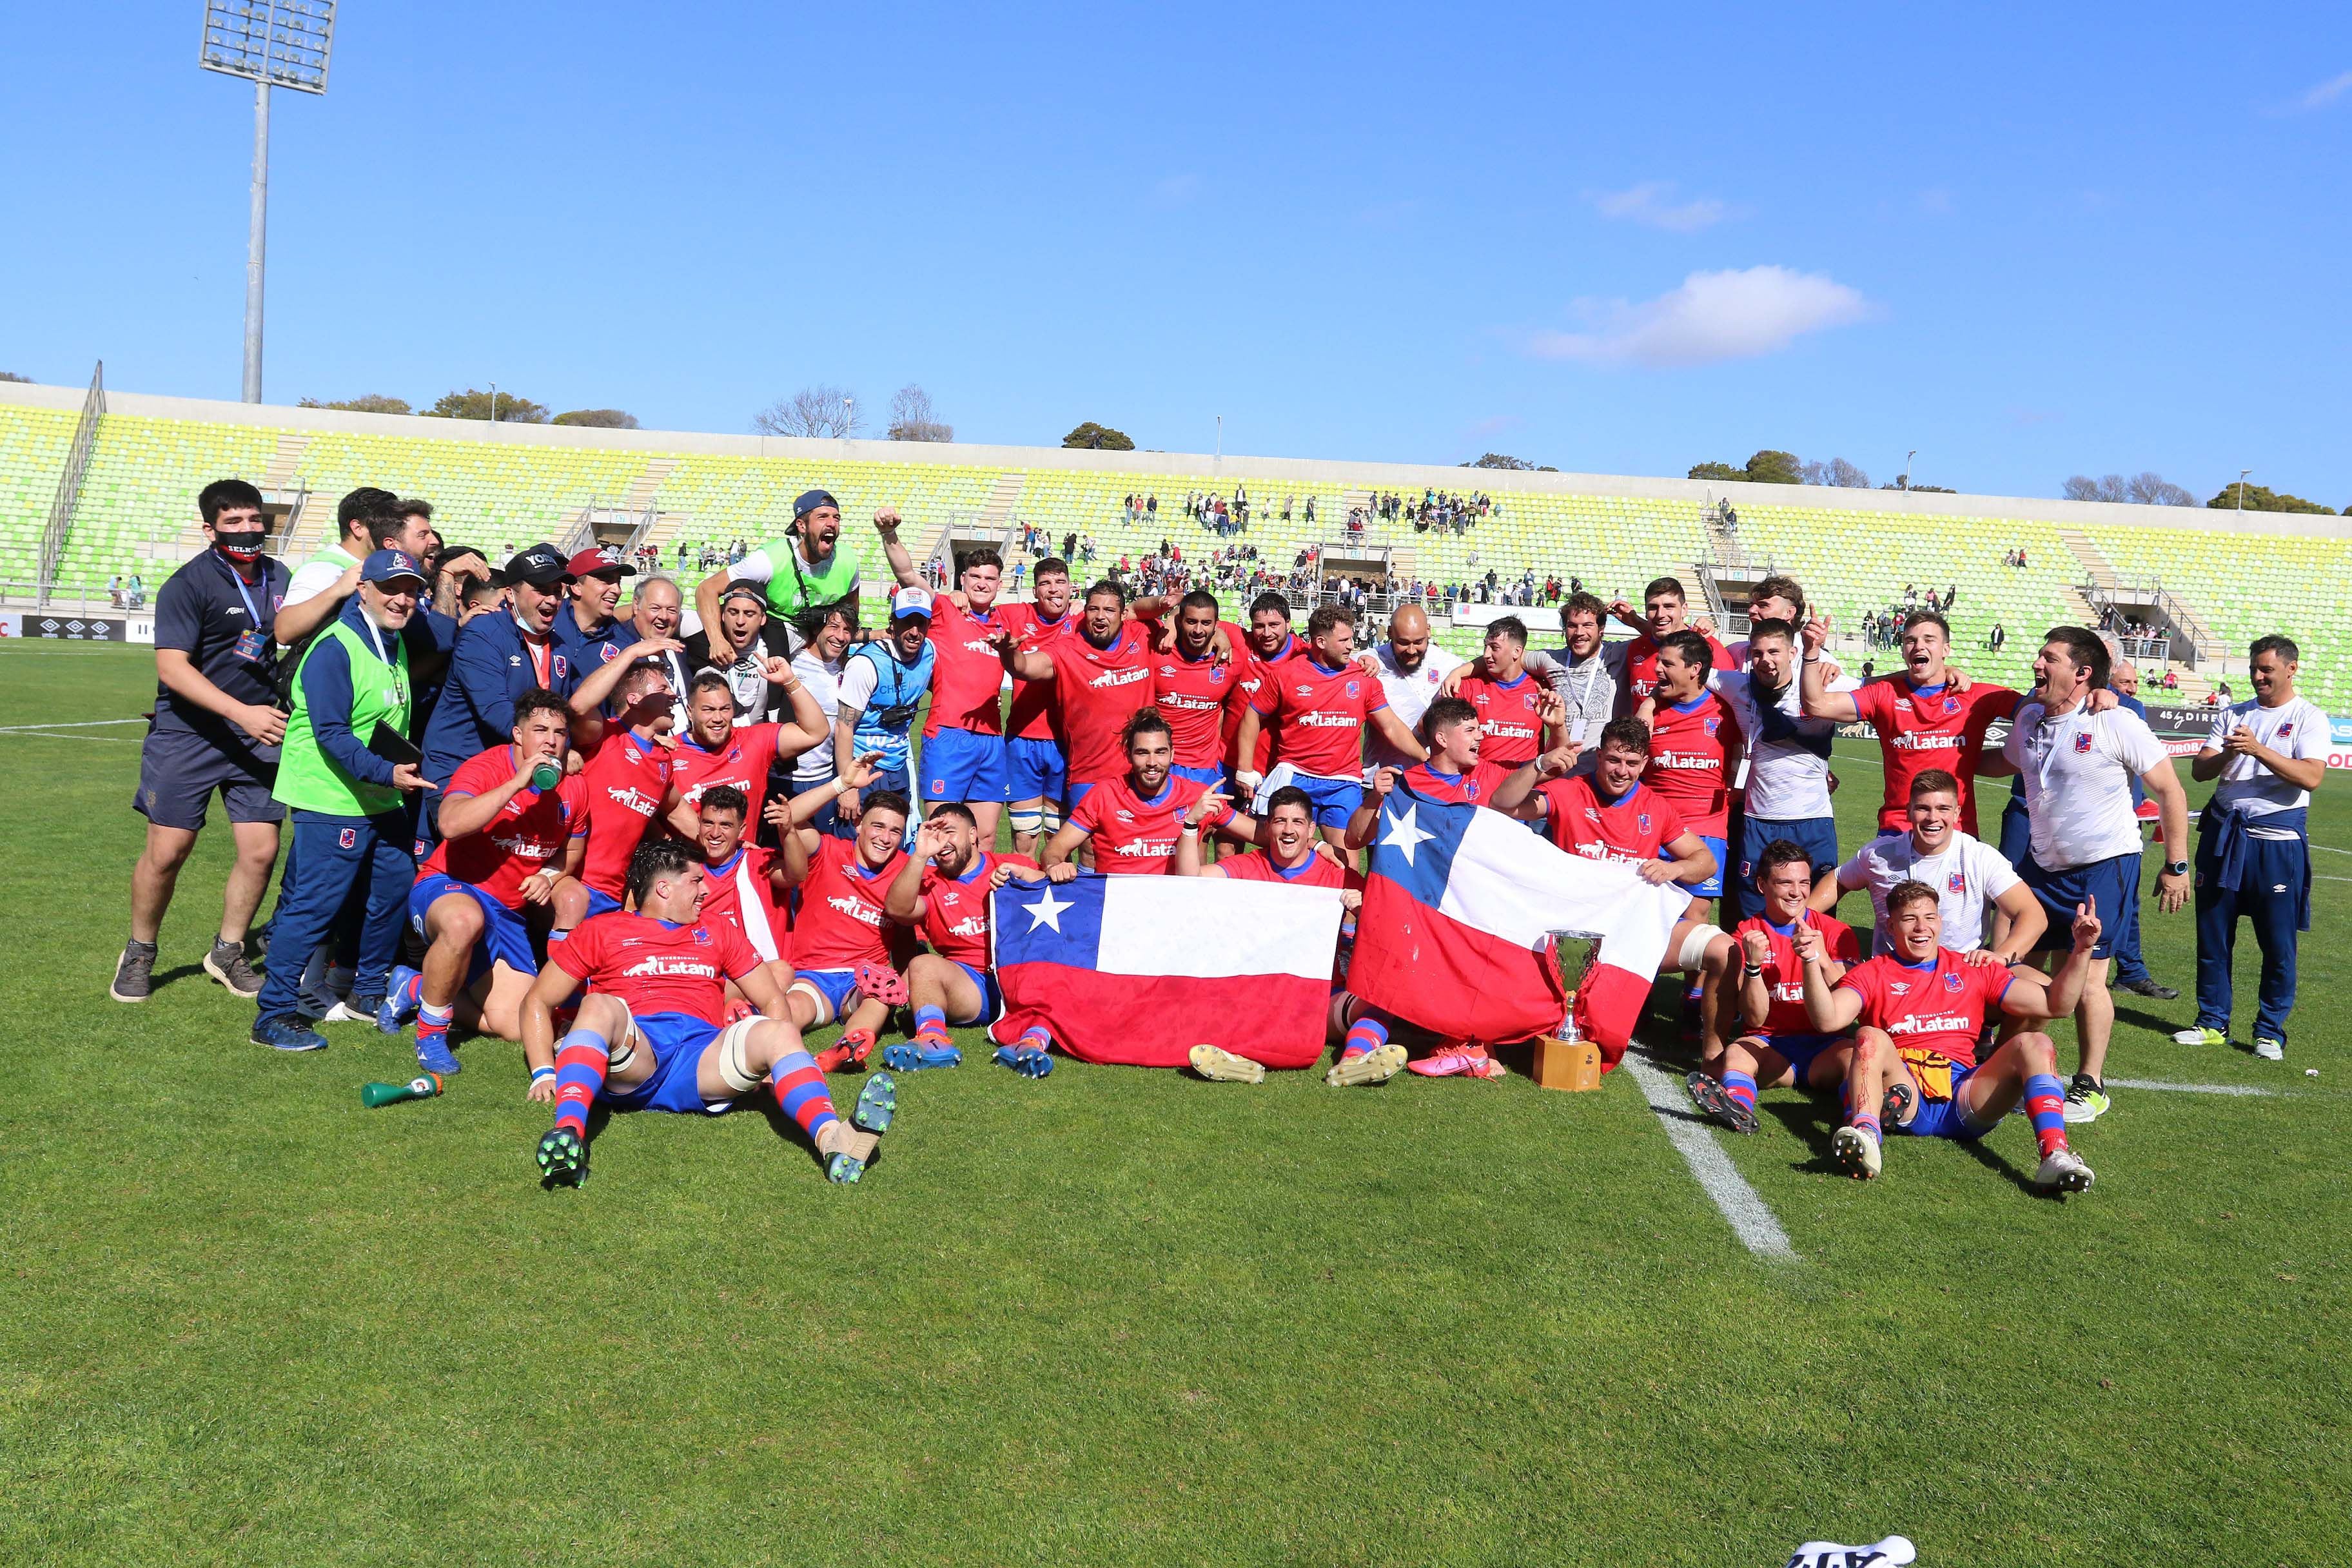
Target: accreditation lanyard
541, 654
375, 640
249, 641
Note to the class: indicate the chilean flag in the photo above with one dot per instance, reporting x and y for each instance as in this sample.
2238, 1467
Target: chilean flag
1138, 970
1461, 908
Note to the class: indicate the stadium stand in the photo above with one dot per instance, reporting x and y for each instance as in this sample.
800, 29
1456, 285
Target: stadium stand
2223, 578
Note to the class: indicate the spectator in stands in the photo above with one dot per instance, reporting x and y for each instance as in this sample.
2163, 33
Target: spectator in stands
216, 727
115, 590
1997, 636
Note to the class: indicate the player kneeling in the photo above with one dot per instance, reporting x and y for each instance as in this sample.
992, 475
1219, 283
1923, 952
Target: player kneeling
942, 891
1920, 1008
1778, 1046
649, 1035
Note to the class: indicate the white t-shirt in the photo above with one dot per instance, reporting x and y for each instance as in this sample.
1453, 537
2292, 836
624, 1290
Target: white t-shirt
823, 682
2296, 729
1409, 697
2078, 769
1785, 780
317, 574
1967, 875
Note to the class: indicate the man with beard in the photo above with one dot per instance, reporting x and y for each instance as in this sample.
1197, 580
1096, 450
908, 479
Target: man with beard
1194, 690
1319, 704
715, 750
1411, 669
942, 891
1036, 768
736, 645
807, 566
1134, 821
216, 728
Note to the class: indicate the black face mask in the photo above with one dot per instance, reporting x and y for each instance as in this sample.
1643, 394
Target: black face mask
244, 548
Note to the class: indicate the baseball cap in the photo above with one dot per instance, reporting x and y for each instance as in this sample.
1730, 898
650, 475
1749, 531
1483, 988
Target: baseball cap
745, 588
597, 559
391, 565
540, 567
911, 602
809, 500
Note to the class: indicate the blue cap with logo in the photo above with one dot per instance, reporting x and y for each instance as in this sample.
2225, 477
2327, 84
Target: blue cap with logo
809, 500
391, 565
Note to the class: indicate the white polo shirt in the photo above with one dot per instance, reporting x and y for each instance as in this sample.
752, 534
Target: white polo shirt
1967, 874
2078, 769
2296, 728
1409, 694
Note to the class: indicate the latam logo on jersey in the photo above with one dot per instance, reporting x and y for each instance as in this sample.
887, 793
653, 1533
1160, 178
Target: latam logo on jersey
634, 798
1915, 741
522, 848
1190, 704
1146, 848
1329, 722
971, 925
979, 645
1791, 991
1613, 856
1111, 677
1932, 1024
1688, 762
858, 910
1504, 731
681, 968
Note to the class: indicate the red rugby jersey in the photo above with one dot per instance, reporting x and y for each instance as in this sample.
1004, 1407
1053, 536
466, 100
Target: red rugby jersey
530, 831
654, 966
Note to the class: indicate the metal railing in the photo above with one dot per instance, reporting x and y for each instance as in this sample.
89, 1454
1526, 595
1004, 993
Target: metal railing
81, 596
61, 509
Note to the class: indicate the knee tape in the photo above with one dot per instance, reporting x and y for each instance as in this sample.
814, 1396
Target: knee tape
625, 1040
733, 1071
1026, 821
1693, 952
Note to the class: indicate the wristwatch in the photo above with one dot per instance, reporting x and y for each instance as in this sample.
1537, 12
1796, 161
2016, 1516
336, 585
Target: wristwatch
2176, 868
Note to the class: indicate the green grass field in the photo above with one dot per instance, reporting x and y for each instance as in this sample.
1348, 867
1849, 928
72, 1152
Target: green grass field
1114, 1317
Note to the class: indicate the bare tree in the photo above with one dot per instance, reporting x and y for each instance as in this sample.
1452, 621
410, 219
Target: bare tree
2154, 490
912, 417
2106, 486
2080, 487
824, 411
1838, 473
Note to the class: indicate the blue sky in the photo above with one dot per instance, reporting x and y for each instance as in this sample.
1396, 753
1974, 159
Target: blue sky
2029, 241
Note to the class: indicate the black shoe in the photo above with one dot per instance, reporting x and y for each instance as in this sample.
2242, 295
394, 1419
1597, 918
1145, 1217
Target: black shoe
563, 1158
2148, 988
135, 973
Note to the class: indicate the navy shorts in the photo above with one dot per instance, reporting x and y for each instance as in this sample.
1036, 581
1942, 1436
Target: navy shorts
678, 1041
1942, 1118
504, 938
963, 764
1335, 800
2016, 836
827, 820
1800, 1050
1713, 887
1034, 768
1816, 836
1211, 778
179, 769
837, 987
2107, 886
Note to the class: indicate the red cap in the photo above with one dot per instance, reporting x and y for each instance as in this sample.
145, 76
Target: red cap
601, 559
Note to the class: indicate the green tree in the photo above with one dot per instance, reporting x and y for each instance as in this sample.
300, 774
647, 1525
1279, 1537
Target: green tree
472, 404
12, 375
1775, 468
2261, 498
1500, 460
1101, 438
1722, 473
594, 419
366, 402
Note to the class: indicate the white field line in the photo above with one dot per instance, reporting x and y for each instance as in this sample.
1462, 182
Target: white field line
2239, 1089
77, 724
1740, 1206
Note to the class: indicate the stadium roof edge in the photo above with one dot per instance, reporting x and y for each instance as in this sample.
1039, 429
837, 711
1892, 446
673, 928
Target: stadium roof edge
1194, 465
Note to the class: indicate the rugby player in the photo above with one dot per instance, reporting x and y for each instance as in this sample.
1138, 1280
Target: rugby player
848, 955
942, 890
1967, 875
1665, 612
746, 888
2077, 765
1036, 774
883, 684
628, 782
1696, 745
1134, 822
1268, 642
1510, 699
1778, 1045
650, 1035
1918, 1013
1195, 690
1101, 676
1319, 703
504, 843
1927, 717
714, 751
1789, 784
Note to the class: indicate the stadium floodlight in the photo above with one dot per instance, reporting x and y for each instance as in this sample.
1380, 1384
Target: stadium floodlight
271, 43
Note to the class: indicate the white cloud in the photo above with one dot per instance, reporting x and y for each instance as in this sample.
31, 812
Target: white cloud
1651, 203
1713, 316
2320, 97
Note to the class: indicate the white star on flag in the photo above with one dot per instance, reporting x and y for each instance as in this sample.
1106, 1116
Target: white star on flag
1404, 834
1047, 911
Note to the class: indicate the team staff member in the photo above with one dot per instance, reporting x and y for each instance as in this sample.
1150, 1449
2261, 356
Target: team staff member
655, 608
736, 646
1412, 671
2077, 765
216, 727
807, 566
586, 630
2253, 844
349, 826
820, 667
883, 684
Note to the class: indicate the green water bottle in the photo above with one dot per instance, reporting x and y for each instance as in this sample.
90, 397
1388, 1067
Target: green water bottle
425, 1088
546, 775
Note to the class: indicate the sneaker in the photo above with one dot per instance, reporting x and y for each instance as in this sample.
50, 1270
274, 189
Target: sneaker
1378, 1065
135, 973
2148, 987
2063, 1171
563, 1159
1715, 1104
2198, 1035
433, 1054
399, 1003
2085, 1101
226, 962
877, 1102
1225, 1066
1458, 1062
286, 1032
913, 1056
1858, 1151
1029, 1061
353, 1010
2270, 1050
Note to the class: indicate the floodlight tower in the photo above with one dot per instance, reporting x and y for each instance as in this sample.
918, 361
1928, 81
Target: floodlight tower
271, 43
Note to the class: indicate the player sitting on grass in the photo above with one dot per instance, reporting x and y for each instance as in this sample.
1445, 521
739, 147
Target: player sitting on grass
747, 888
504, 840
942, 891
1920, 1008
649, 1035
1778, 1046
1291, 854
846, 950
